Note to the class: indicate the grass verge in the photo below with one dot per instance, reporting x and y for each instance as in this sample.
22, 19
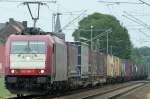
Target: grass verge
3, 91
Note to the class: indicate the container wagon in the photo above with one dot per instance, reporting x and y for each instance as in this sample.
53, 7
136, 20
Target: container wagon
72, 66
127, 70
122, 69
103, 67
82, 62
110, 69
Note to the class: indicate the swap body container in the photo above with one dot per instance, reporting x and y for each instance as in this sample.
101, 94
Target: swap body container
90, 69
90, 62
102, 65
143, 70
113, 65
138, 73
147, 70
97, 66
72, 51
109, 66
94, 65
140, 70
134, 70
2, 59
122, 67
117, 67
97, 69
82, 59
127, 68
131, 69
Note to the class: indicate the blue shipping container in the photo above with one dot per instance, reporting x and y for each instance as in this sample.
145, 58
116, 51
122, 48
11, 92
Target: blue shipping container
122, 65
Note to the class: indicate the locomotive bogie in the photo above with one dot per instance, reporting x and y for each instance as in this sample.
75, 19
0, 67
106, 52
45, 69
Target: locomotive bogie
27, 84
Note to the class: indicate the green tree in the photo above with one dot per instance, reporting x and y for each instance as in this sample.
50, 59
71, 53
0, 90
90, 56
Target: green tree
142, 56
119, 40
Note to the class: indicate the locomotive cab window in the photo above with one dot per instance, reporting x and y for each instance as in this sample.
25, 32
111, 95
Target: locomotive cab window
26, 47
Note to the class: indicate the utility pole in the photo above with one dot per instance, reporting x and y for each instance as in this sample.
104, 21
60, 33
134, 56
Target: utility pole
107, 42
107, 49
91, 36
108, 31
97, 45
111, 49
53, 21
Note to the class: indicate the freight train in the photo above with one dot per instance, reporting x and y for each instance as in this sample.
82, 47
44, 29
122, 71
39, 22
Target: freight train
39, 64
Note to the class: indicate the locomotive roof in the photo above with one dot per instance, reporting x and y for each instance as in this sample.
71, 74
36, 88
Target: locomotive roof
53, 39
28, 37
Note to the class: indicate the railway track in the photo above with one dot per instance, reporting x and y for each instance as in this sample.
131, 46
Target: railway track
115, 93
112, 91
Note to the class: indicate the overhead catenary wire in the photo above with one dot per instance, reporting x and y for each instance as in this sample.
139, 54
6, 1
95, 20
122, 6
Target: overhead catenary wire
144, 2
109, 2
100, 35
133, 20
140, 21
74, 16
39, 3
146, 35
73, 21
46, 1
136, 20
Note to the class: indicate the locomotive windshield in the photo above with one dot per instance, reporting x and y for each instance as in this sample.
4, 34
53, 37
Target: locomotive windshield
26, 47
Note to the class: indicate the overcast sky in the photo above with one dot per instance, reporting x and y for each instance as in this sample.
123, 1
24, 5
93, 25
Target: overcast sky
139, 34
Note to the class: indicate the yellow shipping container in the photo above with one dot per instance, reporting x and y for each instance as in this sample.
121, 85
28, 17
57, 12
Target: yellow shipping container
117, 66
109, 66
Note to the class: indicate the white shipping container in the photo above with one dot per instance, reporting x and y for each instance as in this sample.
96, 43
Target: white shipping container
84, 60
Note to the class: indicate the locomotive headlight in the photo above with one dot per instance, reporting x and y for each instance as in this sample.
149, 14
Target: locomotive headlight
12, 71
42, 71
28, 58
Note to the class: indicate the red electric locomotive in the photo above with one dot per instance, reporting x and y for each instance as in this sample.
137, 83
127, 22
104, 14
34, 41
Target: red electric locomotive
31, 63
